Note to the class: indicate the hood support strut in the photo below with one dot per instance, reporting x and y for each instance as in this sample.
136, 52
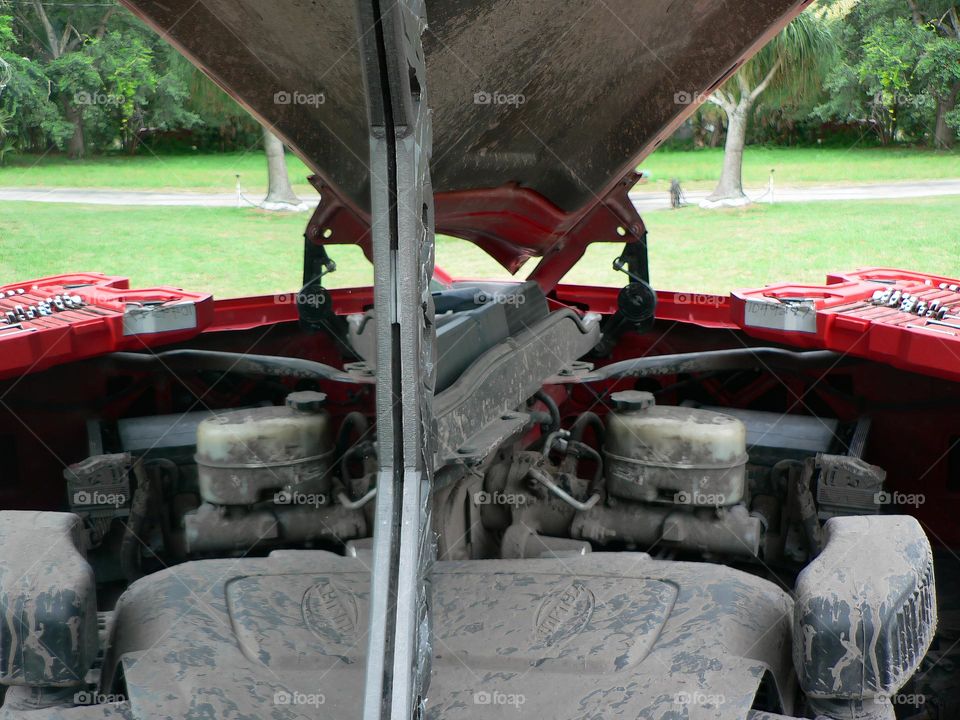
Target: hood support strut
398, 656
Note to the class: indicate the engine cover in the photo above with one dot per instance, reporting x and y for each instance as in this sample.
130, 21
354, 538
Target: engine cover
613, 635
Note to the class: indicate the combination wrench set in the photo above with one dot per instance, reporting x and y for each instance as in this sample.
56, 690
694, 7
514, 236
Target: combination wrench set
19, 306
938, 306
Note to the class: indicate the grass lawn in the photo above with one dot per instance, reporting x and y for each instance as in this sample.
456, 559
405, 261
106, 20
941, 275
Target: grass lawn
233, 252
700, 169
695, 169
721, 250
197, 173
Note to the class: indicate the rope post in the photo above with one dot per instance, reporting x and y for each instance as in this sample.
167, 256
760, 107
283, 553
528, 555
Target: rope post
770, 185
239, 193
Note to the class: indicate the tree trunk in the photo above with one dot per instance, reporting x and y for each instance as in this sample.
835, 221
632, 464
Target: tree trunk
730, 186
133, 143
944, 135
716, 135
77, 147
279, 190
915, 11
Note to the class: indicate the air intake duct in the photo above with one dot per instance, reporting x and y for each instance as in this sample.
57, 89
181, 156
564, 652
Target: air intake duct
865, 615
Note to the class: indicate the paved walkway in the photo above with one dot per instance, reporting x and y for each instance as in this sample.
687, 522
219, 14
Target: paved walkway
102, 196
644, 200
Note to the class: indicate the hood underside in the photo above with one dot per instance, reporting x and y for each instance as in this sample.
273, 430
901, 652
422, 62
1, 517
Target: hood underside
541, 108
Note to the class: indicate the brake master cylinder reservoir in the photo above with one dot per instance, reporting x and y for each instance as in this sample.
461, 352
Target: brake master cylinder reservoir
673, 454
244, 456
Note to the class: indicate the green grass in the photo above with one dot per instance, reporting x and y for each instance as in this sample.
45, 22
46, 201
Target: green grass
695, 169
700, 169
234, 252
197, 173
224, 250
721, 250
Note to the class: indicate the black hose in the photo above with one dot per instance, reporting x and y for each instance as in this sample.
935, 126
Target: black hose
352, 422
551, 408
585, 420
589, 420
759, 358
239, 363
581, 449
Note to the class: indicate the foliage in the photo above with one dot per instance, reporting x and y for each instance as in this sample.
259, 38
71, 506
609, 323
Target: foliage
34, 118
899, 66
86, 75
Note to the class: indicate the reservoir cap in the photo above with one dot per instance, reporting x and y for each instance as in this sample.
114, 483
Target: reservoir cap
306, 401
632, 400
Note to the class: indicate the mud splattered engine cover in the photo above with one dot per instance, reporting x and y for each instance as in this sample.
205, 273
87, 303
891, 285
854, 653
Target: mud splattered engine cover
618, 635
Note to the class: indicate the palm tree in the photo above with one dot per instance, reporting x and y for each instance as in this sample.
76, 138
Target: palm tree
795, 60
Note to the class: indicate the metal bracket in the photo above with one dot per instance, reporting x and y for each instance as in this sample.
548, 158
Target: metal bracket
615, 216
481, 445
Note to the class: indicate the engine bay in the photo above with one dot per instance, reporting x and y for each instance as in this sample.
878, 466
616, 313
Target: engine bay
685, 519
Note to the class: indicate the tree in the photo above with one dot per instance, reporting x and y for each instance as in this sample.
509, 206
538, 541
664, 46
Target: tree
6, 74
30, 116
890, 53
216, 111
84, 75
939, 66
59, 39
279, 191
795, 58
898, 70
142, 91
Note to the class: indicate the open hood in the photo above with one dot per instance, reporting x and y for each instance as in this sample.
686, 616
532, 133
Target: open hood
541, 108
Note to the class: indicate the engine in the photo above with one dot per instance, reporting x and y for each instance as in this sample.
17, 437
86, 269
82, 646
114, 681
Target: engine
567, 492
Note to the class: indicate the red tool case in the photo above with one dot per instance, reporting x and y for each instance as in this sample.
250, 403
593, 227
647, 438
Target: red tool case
839, 315
844, 315
70, 317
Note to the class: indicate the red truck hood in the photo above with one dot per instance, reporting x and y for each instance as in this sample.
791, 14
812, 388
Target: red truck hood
541, 107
